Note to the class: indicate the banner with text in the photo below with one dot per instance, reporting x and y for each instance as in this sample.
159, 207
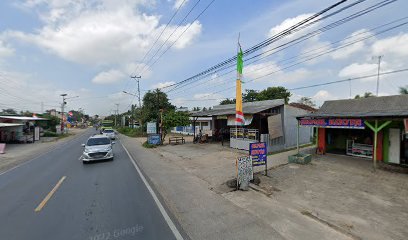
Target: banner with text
355, 123
258, 152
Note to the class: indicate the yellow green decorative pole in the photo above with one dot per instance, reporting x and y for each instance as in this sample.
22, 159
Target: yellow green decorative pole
376, 129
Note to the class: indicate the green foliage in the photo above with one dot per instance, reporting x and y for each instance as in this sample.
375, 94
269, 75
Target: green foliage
366, 95
50, 134
131, 132
50, 124
8, 111
403, 90
153, 101
173, 119
250, 95
270, 93
148, 145
274, 93
227, 101
307, 101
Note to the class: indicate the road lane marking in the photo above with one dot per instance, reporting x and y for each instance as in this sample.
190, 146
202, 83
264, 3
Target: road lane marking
49, 195
166, 217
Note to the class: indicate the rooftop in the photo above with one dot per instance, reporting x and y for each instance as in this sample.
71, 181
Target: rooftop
387, 106
247, 108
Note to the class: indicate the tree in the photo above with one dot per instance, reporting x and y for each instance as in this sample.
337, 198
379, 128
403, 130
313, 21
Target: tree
403, 90
51, 123
250, 95
227, 101
274, 93
196, 108
9, 111
366, 95
153, 101
204, 109
307, 101
173, 119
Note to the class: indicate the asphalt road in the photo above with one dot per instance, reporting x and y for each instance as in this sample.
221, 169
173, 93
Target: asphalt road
97, 201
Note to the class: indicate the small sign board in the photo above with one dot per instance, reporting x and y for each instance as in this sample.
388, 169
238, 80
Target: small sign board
245, 171
2, 148
151, 128
154, 139
36, 133
259, 153
353, 123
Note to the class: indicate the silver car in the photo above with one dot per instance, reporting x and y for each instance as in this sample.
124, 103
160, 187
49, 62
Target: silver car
110, 133
98, 147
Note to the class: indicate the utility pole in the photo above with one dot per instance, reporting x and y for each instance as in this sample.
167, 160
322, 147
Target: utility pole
117, 113
138, 87
138, 95
62, 111
378, 72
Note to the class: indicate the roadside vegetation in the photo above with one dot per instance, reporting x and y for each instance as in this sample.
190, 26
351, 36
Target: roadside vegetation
131, 132
148, 145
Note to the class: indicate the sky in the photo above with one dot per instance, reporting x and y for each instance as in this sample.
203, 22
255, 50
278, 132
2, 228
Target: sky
88, 49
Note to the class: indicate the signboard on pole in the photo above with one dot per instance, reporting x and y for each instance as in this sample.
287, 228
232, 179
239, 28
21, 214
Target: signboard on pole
354, 123
245, 171
259, 153
151, 128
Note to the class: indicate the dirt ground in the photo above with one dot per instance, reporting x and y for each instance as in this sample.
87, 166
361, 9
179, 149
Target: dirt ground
345, 192
16, 154
334, 197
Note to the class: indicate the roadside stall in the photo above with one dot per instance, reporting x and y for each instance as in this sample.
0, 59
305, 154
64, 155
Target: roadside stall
371, 128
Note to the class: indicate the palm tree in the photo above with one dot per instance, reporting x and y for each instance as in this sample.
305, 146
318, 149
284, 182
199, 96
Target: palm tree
403, 90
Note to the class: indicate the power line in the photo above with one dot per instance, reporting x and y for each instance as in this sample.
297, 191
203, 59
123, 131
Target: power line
185, 30
164, 29
175, 29
349, 79
309, 58
304, 37
262, 44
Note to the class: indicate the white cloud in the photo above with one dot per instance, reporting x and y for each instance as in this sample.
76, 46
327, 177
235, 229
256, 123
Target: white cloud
162, 84
357, 69
323, 95
255, 71
5, 50
360, 46
187, 38
393, 46
101, 32
287, 23
107, 77
177, 3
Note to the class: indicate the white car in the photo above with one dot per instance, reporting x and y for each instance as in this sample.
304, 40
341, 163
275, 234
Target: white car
98, 147
110, 133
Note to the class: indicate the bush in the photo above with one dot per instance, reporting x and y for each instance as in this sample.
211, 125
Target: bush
50, 134
131, 132
148, 145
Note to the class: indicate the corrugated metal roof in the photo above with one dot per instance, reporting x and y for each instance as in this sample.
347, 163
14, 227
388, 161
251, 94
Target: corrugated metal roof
388, 106
23, 118
10, 124
247, 108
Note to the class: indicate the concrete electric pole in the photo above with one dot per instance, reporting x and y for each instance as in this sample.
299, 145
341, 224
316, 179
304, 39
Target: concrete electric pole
378, 72
117, 113
62, 111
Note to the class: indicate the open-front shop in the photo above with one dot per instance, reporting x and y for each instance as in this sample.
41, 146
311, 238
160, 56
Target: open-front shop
271, 121
372, 128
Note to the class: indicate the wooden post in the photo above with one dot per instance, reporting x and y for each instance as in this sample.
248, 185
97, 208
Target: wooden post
375, 146
376, 129
297, 142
